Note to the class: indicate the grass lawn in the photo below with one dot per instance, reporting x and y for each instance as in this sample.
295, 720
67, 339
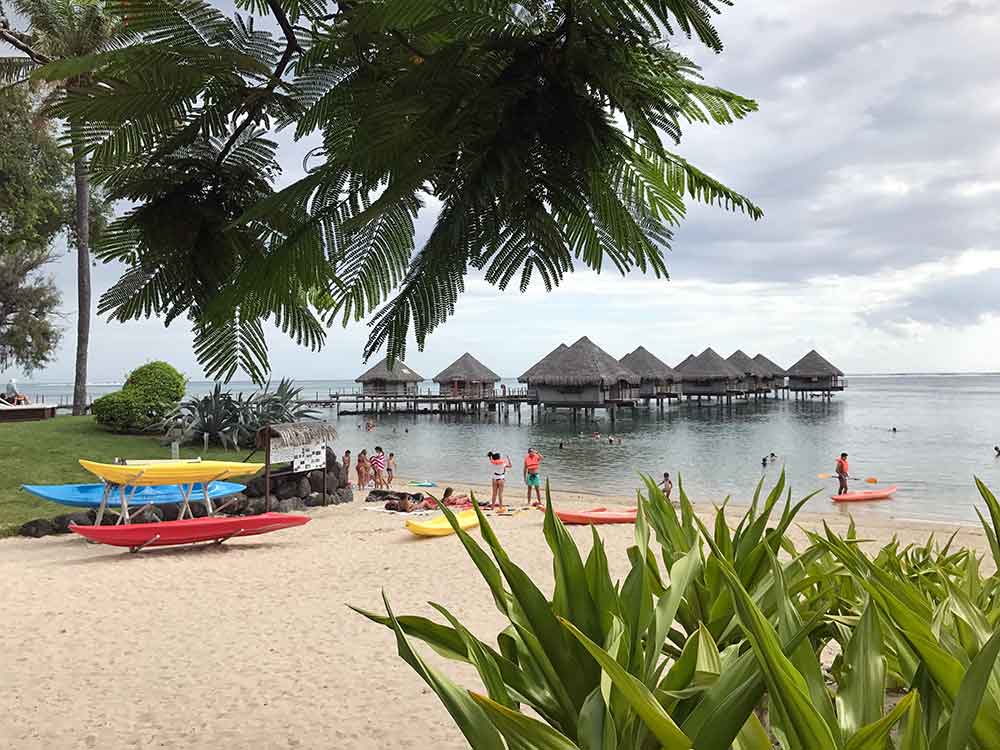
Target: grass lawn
46, 452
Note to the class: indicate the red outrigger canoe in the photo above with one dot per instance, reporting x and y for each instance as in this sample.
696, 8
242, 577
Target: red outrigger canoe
596, 516
854, 497
188, 531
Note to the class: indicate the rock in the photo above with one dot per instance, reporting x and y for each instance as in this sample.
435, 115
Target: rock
316, 480
61, 523
288, 487
335, 481
314, 500
283, 506
233, 505
332, 460
169, 512
110, 518
38, 528
297, 503
344, 495
148, 514
255, 487
198, 510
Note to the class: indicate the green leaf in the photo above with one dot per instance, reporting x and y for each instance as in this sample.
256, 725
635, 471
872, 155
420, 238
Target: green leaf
861, 692
972, 702
470, 718
637, 694
521, 730
874, 736
752, 736
914, 736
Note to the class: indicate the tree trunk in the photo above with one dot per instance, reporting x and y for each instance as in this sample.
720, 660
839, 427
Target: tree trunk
82, 182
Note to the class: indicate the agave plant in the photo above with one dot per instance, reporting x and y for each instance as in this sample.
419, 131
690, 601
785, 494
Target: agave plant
654, 662
225, 419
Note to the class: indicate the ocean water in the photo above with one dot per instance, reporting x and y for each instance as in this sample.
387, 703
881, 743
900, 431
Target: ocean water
946, 427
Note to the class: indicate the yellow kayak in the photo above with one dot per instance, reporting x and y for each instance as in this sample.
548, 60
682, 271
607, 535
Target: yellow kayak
439, 526
173, 472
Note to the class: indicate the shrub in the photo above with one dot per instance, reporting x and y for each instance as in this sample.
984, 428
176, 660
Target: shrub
149, 394
123, 411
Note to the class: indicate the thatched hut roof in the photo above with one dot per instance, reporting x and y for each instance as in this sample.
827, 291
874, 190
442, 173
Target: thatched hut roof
584, 363
813, 366
684, 361
399, 373
467, 369
543, 362
649, 367
708, 365
773, 370
746, 365
290, 434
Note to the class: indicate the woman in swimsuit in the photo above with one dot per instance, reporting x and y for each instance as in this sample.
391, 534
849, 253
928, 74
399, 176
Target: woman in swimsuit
347, 466
362, 469
499, 468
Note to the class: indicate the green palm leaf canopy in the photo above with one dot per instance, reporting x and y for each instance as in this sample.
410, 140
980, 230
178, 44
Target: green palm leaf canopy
540, 132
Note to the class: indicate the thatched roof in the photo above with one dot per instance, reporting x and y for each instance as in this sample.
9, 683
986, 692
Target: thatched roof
707, 366
399, 373
467, 369
543, 362
290, 434
746, 366
684, 361
773, 370
813, 366
584, 363
648, 366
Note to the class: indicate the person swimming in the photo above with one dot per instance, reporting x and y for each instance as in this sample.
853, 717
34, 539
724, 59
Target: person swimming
772, 458
997, 449
763, 462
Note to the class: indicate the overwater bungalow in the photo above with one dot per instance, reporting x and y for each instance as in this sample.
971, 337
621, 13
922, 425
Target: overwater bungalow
709, 375
656, 376
467, 377
753, 375
814, 374
542, 363
775, 374
581, 376
683, 362
382, 381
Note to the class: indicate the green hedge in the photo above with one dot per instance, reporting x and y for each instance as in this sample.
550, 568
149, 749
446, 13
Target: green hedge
149, 394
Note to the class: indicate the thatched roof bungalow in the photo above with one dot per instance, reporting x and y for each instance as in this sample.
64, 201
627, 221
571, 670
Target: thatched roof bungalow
381, 380
683, 362
774, 374
814, 373
542, 363
467, 377
708, 374
753, 375
656, 376
582, 375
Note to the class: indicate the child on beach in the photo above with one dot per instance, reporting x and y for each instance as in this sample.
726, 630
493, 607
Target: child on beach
666, 485
390, 470
499, 468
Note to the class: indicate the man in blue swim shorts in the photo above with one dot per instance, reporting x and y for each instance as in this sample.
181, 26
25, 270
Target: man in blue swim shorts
532, 477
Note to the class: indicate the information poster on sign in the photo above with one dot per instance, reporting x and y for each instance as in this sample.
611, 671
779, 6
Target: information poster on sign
301, 457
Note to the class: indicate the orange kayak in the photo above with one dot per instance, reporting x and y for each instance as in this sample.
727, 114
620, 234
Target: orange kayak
854, 497
596, 516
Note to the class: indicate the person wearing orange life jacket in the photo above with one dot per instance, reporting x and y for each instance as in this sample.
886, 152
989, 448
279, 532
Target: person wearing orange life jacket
532, 477
843, 474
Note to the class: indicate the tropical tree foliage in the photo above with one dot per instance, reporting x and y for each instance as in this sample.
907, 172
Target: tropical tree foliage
33, 188
536, 130
57, 30
720, 648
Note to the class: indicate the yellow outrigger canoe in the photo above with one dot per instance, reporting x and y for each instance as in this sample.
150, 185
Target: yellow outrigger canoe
172, 472
439, 526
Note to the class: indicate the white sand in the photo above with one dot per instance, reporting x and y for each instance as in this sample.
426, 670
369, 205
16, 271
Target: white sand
250, 645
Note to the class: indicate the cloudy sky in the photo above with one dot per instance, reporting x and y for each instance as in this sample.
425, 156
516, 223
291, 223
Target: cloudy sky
876, 157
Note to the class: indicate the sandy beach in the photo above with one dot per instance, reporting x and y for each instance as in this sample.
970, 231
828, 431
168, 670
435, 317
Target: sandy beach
251, 644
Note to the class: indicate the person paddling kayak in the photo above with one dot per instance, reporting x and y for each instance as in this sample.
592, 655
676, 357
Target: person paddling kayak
843, 474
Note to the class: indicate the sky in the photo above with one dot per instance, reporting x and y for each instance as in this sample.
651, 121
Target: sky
875, 156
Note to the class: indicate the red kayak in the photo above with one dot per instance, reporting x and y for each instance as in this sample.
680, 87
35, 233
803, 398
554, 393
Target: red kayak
188, 531
854, 497
596, 516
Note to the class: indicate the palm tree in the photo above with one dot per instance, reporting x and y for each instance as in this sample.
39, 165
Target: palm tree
63, 30
544, 130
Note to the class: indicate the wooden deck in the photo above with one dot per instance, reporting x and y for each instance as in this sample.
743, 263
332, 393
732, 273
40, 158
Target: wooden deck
26, 412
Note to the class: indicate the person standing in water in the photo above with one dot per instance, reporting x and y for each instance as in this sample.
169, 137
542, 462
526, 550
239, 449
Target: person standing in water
378, 468
532, 477
499, 468
843, 474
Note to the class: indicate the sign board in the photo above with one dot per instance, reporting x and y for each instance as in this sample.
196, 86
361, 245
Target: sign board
301, 457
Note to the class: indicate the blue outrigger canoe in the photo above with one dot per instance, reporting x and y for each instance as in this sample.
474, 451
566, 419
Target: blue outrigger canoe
91, 495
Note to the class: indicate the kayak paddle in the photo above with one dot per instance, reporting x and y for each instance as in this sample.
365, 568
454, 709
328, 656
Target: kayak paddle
869, 480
